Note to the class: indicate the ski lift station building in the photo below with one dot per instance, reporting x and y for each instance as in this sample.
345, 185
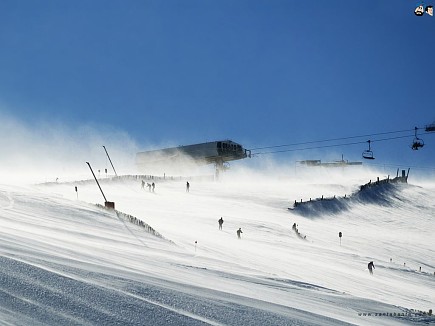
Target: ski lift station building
216, 152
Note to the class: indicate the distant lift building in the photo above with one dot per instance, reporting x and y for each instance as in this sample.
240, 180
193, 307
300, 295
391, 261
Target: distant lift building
341, 163
218, 153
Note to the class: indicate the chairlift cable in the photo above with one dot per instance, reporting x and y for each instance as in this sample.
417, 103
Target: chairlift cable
332, 139
308, 148
333, 145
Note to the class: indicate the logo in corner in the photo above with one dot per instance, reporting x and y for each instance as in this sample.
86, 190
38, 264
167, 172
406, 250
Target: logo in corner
420, 10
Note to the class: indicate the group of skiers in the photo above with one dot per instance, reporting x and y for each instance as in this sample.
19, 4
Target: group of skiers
220, 221
150, 186
295, 228
238, 232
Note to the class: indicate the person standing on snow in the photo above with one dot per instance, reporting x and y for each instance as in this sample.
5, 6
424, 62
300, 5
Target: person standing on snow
239, 231
187, 186
371, 266
221, 221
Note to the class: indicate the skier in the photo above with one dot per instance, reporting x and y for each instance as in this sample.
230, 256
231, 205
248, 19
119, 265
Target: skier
187, 186
153, 185
143, 184
221, 221
371, 266
239, 231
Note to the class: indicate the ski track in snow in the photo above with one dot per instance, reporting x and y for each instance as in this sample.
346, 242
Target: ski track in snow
94, 298
6, 200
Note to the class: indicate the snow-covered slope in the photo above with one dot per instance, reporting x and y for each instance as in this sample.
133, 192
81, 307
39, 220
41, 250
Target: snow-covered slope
65, 260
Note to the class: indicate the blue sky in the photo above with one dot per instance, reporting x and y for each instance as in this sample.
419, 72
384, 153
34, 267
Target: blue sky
261, 73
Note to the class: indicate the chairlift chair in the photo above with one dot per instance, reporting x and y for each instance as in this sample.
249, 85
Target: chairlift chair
368, 154
417, 142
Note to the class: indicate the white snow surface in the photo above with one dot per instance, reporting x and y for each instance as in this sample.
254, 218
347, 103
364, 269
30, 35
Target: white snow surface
66, 261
